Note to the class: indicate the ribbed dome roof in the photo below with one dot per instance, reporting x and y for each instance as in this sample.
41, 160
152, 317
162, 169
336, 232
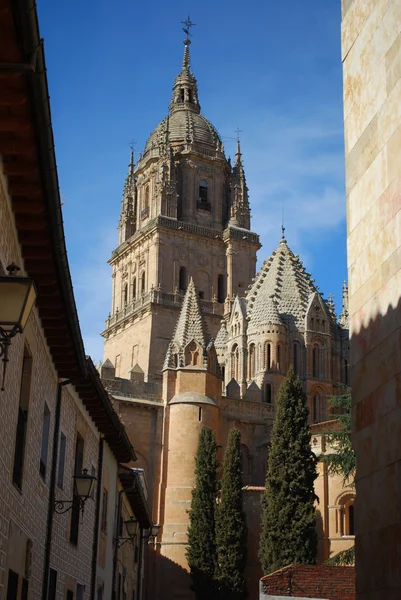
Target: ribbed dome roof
185, 126
280, 292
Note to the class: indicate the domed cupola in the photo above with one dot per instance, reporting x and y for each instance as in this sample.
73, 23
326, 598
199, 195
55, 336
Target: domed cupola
184, 123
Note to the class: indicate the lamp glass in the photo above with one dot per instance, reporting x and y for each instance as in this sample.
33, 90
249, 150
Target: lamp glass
154, 530
17, 297
84, 484
132, 527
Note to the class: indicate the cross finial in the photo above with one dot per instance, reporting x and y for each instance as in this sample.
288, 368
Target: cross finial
238, 131
187, 29
282, 232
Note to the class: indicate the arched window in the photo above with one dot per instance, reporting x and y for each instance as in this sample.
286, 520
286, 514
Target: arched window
182, 284
315, 359
252, 361
125, 294
268, 357
295, 357
221, 292
267, 393
347, 514
134, 289
346, 369
143, 283
316, 409
351, 522
146, 203
234, 362
278, 361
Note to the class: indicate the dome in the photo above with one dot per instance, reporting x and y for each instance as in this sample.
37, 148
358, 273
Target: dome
192, 398
184, 126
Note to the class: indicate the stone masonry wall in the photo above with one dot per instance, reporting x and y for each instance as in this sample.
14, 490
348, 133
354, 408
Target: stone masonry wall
371, 52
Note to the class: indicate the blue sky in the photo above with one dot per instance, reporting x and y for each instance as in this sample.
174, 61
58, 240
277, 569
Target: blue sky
273, 69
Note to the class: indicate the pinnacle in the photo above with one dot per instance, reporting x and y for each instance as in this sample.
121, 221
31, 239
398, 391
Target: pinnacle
191, 324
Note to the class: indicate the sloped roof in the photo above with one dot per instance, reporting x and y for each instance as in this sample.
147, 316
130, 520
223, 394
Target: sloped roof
191, 324
280, 292
222, 336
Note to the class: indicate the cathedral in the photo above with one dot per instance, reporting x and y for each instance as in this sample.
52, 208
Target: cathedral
196, 337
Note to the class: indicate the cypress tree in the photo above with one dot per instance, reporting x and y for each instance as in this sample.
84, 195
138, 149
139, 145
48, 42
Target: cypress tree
231, 532
288, 533
201, 551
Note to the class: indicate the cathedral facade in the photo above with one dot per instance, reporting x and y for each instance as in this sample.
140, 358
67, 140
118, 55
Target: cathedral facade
195, 337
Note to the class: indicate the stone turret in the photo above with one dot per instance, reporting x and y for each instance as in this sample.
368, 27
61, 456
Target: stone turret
240, 214
127, 223
191, 392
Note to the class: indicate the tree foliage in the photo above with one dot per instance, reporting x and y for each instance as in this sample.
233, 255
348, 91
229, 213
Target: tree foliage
231, 532
201, 550
341, 461
288, 532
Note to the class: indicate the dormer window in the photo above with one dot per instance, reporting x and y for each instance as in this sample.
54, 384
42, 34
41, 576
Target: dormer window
203, 201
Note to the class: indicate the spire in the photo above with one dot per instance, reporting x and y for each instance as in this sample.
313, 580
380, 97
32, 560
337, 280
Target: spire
344, 317
126, 226
185, 90
240, 215
191, 324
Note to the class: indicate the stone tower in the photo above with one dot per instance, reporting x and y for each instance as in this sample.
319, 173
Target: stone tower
192, 386
185, 213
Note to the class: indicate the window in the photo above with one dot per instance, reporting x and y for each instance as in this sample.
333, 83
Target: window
203, 190
125, 296
221, 289
268, 356
70, 595
267, 395
52, 585
104, 511
80, 591
117, 364
234, 362
351, 522
134, 288
44, 449
347, 514
201, 294
12, 586
61, 461
315, 351
182, 284
146, 203
143, 283
203, 201
22, 422
200, 414
79, 461
252, 361
316, 409
100, 591
278, 362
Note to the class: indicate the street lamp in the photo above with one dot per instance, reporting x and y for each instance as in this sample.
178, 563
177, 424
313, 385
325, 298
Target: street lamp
132, 527
17, 297
83, 488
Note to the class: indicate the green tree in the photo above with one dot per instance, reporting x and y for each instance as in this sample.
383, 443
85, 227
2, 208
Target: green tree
231, 532
201, 550
288, 532
341, 460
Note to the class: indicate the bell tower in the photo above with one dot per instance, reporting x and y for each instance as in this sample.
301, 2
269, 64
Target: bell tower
185, 214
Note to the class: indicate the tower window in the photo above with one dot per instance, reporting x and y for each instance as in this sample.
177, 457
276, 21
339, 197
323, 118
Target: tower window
143, 283
182, 279
220, 289
267, 395
234, 362
268, 356
125, 295
252, 361
134, 289
315, 351
182, 95
203, 201
278, 356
